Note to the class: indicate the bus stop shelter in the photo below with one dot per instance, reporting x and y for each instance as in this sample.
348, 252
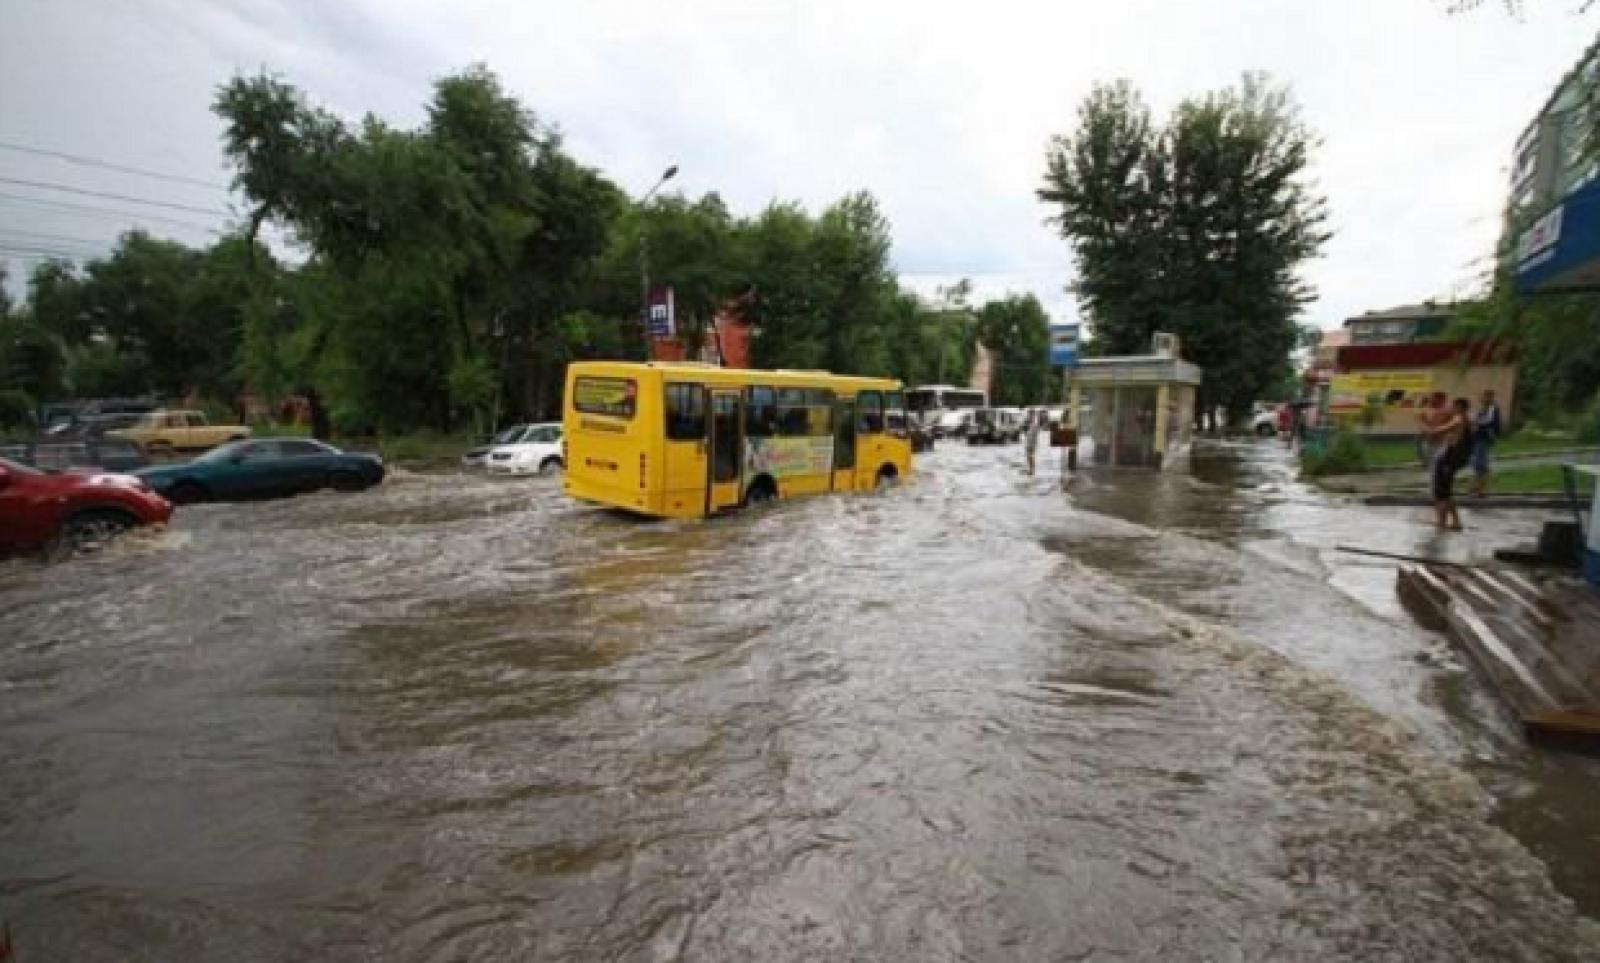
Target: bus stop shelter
1136, 410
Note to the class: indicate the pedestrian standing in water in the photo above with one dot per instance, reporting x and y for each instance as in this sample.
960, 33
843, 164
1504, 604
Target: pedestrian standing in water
1434, 412
1030, 437
1452, 440
1485, 432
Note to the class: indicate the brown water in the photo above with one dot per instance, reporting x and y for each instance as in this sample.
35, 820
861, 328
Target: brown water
975, 718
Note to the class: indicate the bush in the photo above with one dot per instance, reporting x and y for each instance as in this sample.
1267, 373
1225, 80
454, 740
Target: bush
16, 410
1346, 454
1589, 423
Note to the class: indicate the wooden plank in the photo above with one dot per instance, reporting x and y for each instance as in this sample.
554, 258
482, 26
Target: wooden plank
1571, 723
1517, 605
1533, 592
1532, 649
1424, 596
1517, 684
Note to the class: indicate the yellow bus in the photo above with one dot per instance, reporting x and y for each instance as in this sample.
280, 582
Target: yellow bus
685, 440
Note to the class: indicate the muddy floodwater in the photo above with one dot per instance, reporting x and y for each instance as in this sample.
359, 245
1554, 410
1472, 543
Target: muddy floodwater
974, 718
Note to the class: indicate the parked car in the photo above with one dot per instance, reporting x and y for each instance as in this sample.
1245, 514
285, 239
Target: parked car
537, 451
265, 468
90, 426
476, 458
72, 510
1265, 423
162, 433
57, 454
994, 426
952, 424
52, 413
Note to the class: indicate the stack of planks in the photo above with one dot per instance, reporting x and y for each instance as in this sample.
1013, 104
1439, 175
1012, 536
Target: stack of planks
1538, 644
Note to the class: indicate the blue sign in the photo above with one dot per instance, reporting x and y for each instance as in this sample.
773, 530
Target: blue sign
1064, 345
661, 321
1561, 250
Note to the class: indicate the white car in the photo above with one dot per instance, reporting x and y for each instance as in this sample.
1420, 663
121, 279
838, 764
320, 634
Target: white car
1265, 423
477, 457
952, 424
536, 452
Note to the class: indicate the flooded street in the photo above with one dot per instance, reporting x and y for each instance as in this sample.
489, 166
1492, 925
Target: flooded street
973, 718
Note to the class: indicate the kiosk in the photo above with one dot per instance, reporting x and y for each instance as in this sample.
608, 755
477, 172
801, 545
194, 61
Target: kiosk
1137, 411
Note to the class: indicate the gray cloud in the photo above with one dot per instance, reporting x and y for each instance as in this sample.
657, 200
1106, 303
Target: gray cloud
941, 110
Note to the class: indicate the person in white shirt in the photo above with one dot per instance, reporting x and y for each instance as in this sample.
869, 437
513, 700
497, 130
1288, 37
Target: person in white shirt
1030, 437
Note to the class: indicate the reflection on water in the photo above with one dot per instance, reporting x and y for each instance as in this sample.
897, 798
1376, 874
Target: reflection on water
972, 718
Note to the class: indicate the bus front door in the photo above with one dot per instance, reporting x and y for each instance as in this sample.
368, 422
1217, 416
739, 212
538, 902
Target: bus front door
723, 489
844, 445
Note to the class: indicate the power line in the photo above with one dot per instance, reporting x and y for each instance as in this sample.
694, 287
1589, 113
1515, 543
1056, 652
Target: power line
46, 185
107, 213
7, 250
107, 165
39, 235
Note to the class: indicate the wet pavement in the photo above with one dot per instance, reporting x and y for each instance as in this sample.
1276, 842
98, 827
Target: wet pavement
972, 718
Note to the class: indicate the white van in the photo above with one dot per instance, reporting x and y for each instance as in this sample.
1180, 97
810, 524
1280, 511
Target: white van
995, 426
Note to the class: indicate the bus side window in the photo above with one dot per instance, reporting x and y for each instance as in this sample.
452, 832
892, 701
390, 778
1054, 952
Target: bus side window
761, 413
792, 413
870, 404
686, 412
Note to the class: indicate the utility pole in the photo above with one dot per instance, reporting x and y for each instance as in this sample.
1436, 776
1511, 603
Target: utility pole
644, 261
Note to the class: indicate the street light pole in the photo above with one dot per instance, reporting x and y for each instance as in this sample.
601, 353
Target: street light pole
644, 261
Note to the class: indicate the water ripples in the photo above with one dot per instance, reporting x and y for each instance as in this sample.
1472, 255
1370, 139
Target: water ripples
458, 719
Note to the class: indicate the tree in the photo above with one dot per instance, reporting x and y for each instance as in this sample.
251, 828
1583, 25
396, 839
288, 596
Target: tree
457, 247
1016, 331
775, 249
32, 363
1200, 229
1557, 352
152, 317
1106, 183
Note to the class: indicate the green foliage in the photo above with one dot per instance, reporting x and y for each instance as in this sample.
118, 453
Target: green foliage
1017, 333
154, 317
100, 370
472, 387
16, 411
1557, 352
31, 360
1529, 480
1345, 454
1198, 228
1373, 410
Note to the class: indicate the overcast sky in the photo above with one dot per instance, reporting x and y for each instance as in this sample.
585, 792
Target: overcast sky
943, 111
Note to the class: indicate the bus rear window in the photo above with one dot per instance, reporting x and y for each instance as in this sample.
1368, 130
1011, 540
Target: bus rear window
616, 397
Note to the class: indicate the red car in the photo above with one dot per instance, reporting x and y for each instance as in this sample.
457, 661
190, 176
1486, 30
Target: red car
74, 510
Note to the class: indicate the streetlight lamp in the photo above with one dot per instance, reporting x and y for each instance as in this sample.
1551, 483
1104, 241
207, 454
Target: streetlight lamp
644, 260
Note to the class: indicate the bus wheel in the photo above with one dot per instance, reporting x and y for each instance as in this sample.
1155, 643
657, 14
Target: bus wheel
760, 492
887, 478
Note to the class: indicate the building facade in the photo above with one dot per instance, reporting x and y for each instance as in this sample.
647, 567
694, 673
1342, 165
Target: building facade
1551, 240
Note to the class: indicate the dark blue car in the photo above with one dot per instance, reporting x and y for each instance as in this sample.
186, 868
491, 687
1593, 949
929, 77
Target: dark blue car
264, 468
